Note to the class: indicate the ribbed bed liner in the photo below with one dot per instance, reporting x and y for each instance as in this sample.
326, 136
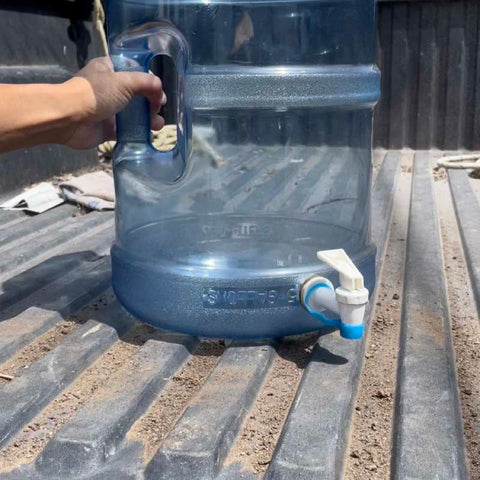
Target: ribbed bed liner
88, 392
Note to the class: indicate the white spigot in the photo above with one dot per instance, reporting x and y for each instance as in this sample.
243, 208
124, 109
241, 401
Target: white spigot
349, 300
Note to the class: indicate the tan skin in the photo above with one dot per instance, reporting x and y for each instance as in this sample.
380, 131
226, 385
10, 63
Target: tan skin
79, 113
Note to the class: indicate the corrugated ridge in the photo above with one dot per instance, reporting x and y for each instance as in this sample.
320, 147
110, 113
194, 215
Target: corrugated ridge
427, 410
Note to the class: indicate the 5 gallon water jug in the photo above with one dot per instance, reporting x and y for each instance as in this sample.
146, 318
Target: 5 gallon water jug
255, 223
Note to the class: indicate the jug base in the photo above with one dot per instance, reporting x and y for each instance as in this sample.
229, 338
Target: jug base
206, 300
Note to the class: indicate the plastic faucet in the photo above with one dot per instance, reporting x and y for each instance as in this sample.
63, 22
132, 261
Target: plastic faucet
348, 301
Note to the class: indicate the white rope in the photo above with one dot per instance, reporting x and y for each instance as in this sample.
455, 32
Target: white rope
466, 161
98, 25
165, 140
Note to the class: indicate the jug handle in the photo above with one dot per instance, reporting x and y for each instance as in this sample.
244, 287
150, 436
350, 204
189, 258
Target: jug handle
133, 52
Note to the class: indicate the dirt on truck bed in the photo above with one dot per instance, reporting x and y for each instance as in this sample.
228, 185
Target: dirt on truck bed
89, 392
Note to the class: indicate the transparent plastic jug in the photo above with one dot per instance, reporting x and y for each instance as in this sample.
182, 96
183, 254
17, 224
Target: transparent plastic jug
271, 103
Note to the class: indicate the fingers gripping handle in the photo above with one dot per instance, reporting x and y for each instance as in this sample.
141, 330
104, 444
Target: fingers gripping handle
133, 52
133, 124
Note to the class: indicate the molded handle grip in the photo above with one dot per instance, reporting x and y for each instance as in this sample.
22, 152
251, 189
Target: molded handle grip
133, 51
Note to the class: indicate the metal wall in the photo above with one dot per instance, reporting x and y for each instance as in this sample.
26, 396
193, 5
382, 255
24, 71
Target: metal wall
430, 61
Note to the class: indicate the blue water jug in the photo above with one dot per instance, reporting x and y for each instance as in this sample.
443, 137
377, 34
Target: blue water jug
252, 218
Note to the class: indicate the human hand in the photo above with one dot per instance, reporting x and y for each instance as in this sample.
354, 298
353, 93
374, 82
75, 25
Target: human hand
101, 93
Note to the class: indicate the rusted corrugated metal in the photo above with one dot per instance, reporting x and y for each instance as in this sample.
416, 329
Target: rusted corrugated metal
430, 62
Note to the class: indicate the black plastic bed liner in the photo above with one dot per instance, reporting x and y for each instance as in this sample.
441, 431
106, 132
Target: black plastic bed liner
53, 265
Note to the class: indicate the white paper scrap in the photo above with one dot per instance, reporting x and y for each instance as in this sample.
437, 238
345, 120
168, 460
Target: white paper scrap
39, 199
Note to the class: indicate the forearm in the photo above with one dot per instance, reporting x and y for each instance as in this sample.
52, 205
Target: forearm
34, 114
79, 113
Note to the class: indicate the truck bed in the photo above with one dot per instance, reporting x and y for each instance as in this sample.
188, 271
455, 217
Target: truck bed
86, 391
